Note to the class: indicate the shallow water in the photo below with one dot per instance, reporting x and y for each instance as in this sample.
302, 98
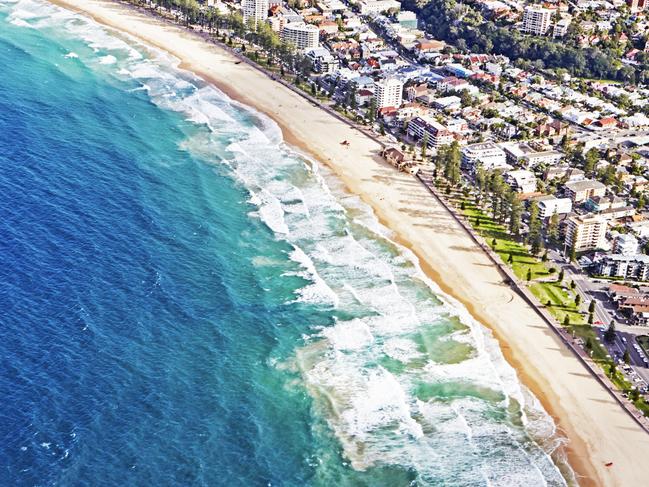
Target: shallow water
186, 301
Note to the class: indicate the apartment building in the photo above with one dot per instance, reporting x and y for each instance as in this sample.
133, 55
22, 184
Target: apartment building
537, 20
586, 232
550, 205
487, 154
323, 61
521, 180
634, 267
389, 93
580, 191
438, 134
301, 35
255, 11
626, 244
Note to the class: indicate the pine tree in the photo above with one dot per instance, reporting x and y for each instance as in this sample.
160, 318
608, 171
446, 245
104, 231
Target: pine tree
529, 274
591, 306
510, 259
560, 277
609, 334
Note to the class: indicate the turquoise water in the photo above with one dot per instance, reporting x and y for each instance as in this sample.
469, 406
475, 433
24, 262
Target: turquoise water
186, 301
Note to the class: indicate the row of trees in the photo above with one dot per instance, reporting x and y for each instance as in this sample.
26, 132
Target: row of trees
189, 12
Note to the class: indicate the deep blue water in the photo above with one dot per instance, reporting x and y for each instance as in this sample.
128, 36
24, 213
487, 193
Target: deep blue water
185, 302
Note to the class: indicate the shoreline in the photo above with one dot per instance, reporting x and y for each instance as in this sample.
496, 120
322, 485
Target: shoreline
597, 428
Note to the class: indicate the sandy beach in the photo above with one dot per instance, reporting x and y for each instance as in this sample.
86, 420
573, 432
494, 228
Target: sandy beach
599, 431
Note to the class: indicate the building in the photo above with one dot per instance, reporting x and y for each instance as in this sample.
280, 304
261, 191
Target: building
586, 232
636, 5
438, 135
373, 7
407, 19
521, 180
301, 35
561, 27
255, 11
323, 61
486, 154
525, 155
550, 205
537, 20
600, 203
389, 93
625, 244
580, 191
635, 267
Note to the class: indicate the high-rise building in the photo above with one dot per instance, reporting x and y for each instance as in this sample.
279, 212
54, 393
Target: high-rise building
537, 20
636, 5
388, 93
301, 35
586, 232
255, 11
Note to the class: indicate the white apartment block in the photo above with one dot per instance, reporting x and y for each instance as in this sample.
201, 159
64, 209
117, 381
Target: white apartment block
301, 35
626, 244
389, 93
438, 134
537, 20
580, 191
368, 7
255, 11
586, 232
550, 205
487, 154
323, 61
521, 180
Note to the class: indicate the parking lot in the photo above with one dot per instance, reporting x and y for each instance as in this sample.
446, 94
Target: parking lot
638, 372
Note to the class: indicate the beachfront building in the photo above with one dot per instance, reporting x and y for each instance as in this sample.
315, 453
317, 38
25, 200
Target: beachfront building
389, 93
580, 191
301, 35
586, 232
438, 134
634, 267
255, 11
522, 154
550, 205
486, 154
323, 60
521, 180
537, 20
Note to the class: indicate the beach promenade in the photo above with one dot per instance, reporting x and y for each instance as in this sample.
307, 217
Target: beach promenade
599, 430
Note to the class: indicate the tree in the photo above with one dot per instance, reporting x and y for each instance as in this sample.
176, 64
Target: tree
371, 115
560, 276
573, 284
589, 344
515, 215
529, 274
577, 300
544, 258
641, 201
494, 243
478, 221
626, 357
566, 320
590, 162
590, 318
424, 145
573, 253
510, 259
609, 334
591, 306
553, 227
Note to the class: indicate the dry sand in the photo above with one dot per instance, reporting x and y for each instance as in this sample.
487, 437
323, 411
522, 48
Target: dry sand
599, 431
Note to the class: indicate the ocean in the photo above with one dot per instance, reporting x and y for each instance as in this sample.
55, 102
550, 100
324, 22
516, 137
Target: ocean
188, 301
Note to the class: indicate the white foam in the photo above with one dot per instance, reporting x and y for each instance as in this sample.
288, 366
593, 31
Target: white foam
109, 59
71, 55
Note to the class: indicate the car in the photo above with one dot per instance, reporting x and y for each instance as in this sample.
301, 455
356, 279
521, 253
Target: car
624, 339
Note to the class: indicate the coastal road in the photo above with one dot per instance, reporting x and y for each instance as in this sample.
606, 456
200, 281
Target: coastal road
626, 341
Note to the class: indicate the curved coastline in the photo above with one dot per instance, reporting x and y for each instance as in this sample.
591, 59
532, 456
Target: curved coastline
599, 431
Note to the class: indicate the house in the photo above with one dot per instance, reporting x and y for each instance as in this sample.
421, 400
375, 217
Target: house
428, 45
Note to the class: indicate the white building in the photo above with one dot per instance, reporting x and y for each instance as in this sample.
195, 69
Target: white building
301, 35
537, 20
368, 7
487, 154
521, 180
323, 61
550, 205
389, 93
625, 267
625, 244
586, 232
255, 11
